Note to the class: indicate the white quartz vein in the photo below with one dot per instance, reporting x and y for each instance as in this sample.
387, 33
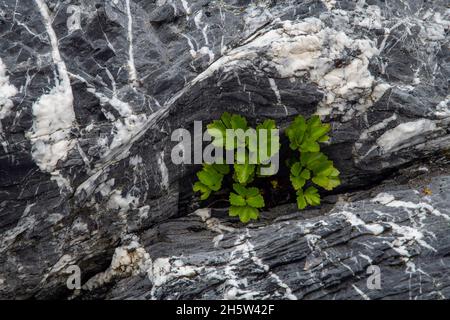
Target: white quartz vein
7, 91
53, 114
131, 65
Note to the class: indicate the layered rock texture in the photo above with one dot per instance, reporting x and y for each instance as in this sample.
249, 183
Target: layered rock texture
90, 92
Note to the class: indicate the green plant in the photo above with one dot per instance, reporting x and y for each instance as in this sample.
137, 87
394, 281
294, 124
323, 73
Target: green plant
246, 202
312, 166
304, 137
210, 179
217, 129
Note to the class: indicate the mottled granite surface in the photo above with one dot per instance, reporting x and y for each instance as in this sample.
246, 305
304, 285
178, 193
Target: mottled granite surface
90, 92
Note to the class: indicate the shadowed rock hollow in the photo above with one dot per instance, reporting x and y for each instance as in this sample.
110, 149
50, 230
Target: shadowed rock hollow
90, 92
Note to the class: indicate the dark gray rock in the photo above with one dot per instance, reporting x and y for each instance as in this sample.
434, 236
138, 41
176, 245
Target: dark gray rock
90, 92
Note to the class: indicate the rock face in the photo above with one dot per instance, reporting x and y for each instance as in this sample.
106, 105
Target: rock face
90, 92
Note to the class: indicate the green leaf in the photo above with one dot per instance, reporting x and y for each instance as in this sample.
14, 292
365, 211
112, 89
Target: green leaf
210, 177
310, 159
320, 181
221, 168
244, 172
328, 183
241, 190
208, 180
314, 121
301, 202
296, 132
298, 176
326, 175
251, 192
245, 213
305, 174
312, 196
256, 201
318, 132
296, 169
217, 130
234, 211
297, 182
309, 145
323, 138
262, 147
324, 168
268, 124
333, 183
238, 122
226, 119
200, 187
237, 200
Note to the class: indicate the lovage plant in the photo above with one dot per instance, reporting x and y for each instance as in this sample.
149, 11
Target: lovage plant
305, 137
253, 151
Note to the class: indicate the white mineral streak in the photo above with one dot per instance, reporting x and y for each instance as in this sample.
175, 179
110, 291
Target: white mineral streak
125, 129
443, 108
329, 3
367, 134
434, 26
205, 50
406, 234
7, 91
404, 133
308, 48
165, 269
131, 65
186, 8
383, 198
236, 286
26, 222
213, 224
360, 292
53, 114
164, 171
117, 201
422, 207
127, 260
373, 228
371, 18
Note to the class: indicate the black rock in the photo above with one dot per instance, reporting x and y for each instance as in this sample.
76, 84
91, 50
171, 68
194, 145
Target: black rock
91, 91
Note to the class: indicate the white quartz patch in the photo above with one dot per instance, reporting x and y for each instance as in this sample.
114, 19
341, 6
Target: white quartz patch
309, 48
53, 114
7, 91
370, 19
164, 270
442, 108
164, 171
117, 201
403, 133
373, 228
127, 260
53, 118
124, 131
383, 198
131, 65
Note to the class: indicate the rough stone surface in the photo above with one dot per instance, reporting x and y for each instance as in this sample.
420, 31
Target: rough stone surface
90, 92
